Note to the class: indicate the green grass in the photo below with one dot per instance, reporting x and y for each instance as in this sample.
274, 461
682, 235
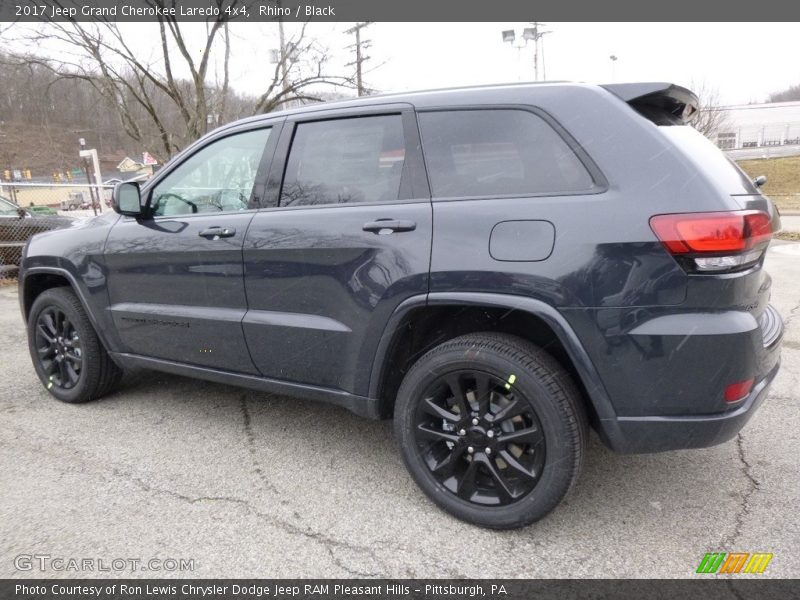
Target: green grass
789, 236
783, 179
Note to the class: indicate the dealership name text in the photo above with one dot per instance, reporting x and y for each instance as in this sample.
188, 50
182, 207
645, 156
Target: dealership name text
277, 591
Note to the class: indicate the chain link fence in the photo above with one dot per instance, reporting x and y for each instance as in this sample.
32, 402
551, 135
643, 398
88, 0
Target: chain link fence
30, 208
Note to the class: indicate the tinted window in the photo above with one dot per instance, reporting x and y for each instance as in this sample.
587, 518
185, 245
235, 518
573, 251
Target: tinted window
497, 153
345, 160
218, 178
710, 159
8, 209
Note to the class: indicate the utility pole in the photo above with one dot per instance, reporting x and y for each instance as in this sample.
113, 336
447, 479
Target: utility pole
282, 36
360, 46
537, 36
281, 57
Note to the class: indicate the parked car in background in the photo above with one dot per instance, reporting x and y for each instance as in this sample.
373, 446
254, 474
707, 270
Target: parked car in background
17, 225
42, 210
76, 201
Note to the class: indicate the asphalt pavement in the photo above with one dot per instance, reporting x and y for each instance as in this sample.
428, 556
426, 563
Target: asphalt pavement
246, 484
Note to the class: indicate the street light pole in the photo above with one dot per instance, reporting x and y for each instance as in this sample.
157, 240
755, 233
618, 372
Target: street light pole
533, 34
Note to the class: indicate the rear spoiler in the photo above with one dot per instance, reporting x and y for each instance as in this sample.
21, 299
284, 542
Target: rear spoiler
662, 103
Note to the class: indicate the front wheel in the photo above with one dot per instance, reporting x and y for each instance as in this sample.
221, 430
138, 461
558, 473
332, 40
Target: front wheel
492, 429
68, 356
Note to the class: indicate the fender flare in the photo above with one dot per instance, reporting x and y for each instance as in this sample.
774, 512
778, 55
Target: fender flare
592, 383
76, 287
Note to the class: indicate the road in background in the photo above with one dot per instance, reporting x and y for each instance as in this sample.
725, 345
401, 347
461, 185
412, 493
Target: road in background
790, 222
253, 485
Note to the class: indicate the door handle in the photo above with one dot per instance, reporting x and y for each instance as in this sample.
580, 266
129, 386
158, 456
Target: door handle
387, 226
214, 233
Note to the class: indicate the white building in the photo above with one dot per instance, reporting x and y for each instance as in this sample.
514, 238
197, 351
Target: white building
764, 126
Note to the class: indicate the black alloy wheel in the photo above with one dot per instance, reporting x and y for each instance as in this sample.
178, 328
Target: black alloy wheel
67, 354
492, 428
58, 348
480, 437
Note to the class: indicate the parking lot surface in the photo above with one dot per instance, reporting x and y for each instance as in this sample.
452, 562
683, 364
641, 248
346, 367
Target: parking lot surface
252, 485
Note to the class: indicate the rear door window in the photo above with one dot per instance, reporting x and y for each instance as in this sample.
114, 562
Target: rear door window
344, 161
498, 152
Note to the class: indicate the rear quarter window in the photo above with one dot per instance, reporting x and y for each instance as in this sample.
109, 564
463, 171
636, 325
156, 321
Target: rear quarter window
498, 152
709, 159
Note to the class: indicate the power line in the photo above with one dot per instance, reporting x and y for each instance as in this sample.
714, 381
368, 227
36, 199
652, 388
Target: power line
359, 47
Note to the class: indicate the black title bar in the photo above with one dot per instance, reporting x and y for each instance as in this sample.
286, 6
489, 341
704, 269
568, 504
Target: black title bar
397, 10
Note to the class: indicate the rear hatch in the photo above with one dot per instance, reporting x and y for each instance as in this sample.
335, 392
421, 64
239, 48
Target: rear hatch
673, 108
719, 283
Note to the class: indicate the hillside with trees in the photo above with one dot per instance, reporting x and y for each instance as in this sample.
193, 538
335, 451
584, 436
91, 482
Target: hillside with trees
73, 80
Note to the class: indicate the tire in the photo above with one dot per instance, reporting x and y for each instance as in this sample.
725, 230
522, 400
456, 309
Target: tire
519, 472
94, 375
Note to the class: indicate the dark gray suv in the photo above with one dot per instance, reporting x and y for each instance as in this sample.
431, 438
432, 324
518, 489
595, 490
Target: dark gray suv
498, 268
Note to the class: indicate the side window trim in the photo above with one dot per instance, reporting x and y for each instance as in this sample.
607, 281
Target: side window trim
598, 178
276, 125
413, 182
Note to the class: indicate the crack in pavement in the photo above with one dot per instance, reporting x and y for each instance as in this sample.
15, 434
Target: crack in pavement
753, 485
794, 315
328, 542
251, 446
347, 569
84, 462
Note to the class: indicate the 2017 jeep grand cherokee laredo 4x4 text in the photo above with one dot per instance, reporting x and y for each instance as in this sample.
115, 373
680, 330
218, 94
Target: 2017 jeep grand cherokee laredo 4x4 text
498, 268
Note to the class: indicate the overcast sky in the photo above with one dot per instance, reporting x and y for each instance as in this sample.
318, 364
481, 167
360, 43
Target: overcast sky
743, 61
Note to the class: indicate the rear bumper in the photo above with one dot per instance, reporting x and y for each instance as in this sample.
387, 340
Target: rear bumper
658, 434
666, 378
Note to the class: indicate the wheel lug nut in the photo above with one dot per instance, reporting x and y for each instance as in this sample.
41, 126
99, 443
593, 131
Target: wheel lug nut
474, 421
488, 451
462, 432
490, 434
470, 449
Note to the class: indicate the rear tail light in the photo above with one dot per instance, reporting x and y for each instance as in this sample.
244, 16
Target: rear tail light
715, 241
738, 391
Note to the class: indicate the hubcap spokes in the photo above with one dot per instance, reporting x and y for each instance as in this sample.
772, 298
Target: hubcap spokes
480, 438
58, 348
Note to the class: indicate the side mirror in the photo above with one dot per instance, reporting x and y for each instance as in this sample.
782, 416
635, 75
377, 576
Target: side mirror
127, 200
760, 180
22, 213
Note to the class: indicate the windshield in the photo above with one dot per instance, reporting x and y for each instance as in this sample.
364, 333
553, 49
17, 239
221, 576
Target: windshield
8, 208
710, 159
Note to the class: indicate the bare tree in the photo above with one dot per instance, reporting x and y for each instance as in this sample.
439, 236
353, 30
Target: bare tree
157, 107
711, 117
789, 94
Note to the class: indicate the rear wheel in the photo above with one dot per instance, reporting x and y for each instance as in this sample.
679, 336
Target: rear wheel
68, 356
492, 429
